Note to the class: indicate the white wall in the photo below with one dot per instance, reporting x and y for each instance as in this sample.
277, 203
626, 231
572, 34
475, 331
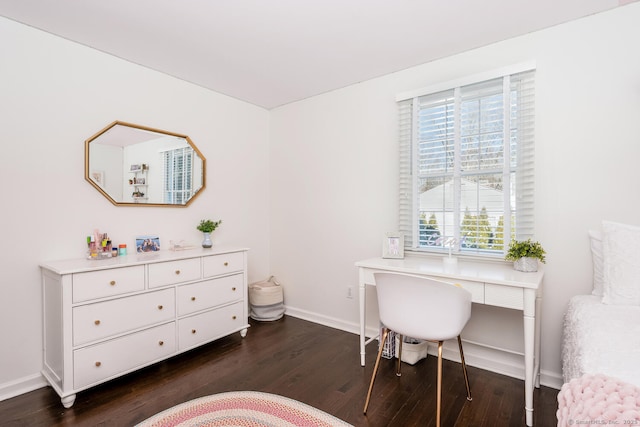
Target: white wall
54, 94
323, 169
334, 172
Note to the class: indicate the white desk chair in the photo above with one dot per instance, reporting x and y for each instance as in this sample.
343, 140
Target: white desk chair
425, 309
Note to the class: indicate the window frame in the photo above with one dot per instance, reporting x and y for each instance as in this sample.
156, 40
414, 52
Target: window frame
409, 203
170, 191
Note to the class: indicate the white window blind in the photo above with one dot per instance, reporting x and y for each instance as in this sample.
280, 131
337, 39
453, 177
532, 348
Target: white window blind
466, 166
178, 175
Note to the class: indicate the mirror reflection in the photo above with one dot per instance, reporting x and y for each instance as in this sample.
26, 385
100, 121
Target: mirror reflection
140, 166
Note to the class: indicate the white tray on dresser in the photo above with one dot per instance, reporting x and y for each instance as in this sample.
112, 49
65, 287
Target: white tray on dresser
105, 318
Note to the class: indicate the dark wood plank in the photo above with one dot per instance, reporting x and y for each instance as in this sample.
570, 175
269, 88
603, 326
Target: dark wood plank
301, 360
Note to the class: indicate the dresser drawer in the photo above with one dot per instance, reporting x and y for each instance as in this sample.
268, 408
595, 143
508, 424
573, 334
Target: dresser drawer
106, 283
213, 292
104, 319
504, 296
98, 362
216, 265
207, 326
172, 272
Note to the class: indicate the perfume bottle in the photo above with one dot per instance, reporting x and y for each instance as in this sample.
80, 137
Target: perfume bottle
92, 248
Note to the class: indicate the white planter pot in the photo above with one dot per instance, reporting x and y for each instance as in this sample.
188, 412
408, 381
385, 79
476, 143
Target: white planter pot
207, 243
526, 264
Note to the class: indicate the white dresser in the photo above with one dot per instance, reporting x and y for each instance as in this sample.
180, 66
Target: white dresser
104, 318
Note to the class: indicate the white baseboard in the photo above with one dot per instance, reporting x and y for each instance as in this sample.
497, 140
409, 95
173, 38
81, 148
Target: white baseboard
21, 386
501, 361
551, 379
332, 322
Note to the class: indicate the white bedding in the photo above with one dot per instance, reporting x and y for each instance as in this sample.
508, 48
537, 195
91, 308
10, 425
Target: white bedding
600, 338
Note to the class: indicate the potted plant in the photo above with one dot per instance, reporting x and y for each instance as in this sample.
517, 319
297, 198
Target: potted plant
207, 227
525, 255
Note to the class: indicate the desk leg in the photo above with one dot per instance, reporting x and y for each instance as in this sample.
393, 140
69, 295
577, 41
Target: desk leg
529, 351
537, 342
362, 292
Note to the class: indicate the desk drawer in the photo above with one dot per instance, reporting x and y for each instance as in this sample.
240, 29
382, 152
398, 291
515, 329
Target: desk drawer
504, 296
172, 272
475, 288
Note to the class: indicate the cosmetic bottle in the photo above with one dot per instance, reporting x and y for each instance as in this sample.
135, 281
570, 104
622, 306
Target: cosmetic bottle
93, 248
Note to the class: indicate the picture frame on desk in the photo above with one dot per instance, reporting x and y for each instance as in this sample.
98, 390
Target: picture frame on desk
393, 245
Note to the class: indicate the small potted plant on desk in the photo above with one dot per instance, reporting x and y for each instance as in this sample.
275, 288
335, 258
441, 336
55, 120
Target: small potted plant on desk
207, 227
525, 255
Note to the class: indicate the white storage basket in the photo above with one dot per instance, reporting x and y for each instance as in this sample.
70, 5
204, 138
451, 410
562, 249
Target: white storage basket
266, 300
412, 350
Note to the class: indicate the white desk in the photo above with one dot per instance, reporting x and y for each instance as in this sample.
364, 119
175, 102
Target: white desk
490, 283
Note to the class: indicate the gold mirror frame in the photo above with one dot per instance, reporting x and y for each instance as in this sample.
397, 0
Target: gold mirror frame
136, 134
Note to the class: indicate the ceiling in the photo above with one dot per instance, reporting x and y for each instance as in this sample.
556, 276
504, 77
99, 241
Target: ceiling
273, 52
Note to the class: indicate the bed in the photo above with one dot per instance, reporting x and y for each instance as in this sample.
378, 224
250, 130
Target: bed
601, 331
601, 335
601, 338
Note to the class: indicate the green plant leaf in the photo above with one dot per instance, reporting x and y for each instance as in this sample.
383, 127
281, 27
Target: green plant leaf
525, 249
207, 226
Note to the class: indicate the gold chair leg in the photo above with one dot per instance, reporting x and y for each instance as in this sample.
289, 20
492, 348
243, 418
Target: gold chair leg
383, 339
464, 369
398, 373
439, 385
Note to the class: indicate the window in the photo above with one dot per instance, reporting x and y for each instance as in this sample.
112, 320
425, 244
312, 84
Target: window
466, 165
178, 173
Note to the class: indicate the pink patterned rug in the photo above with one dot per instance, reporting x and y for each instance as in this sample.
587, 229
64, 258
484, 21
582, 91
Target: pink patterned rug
242, 408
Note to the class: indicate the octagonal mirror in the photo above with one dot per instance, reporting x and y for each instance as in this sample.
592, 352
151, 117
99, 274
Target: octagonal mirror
133, 165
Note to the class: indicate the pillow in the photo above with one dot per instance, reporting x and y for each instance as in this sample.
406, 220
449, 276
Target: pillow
621, 254
597, 261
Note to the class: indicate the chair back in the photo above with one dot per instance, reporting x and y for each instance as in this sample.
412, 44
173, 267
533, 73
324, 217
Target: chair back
420, 307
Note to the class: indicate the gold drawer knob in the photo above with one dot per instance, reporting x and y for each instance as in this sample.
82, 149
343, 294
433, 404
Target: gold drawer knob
161, 343
98, 364
96, 322
233, 289
234, 317
193, 298
177, 271
112, 283
193, 331
160, 307
226, 264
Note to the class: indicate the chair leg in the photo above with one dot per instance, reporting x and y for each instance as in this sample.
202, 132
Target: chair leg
383, 339
464, 369
398, 373
439, 385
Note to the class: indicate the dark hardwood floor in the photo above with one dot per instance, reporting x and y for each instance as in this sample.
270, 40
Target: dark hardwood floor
301, 360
